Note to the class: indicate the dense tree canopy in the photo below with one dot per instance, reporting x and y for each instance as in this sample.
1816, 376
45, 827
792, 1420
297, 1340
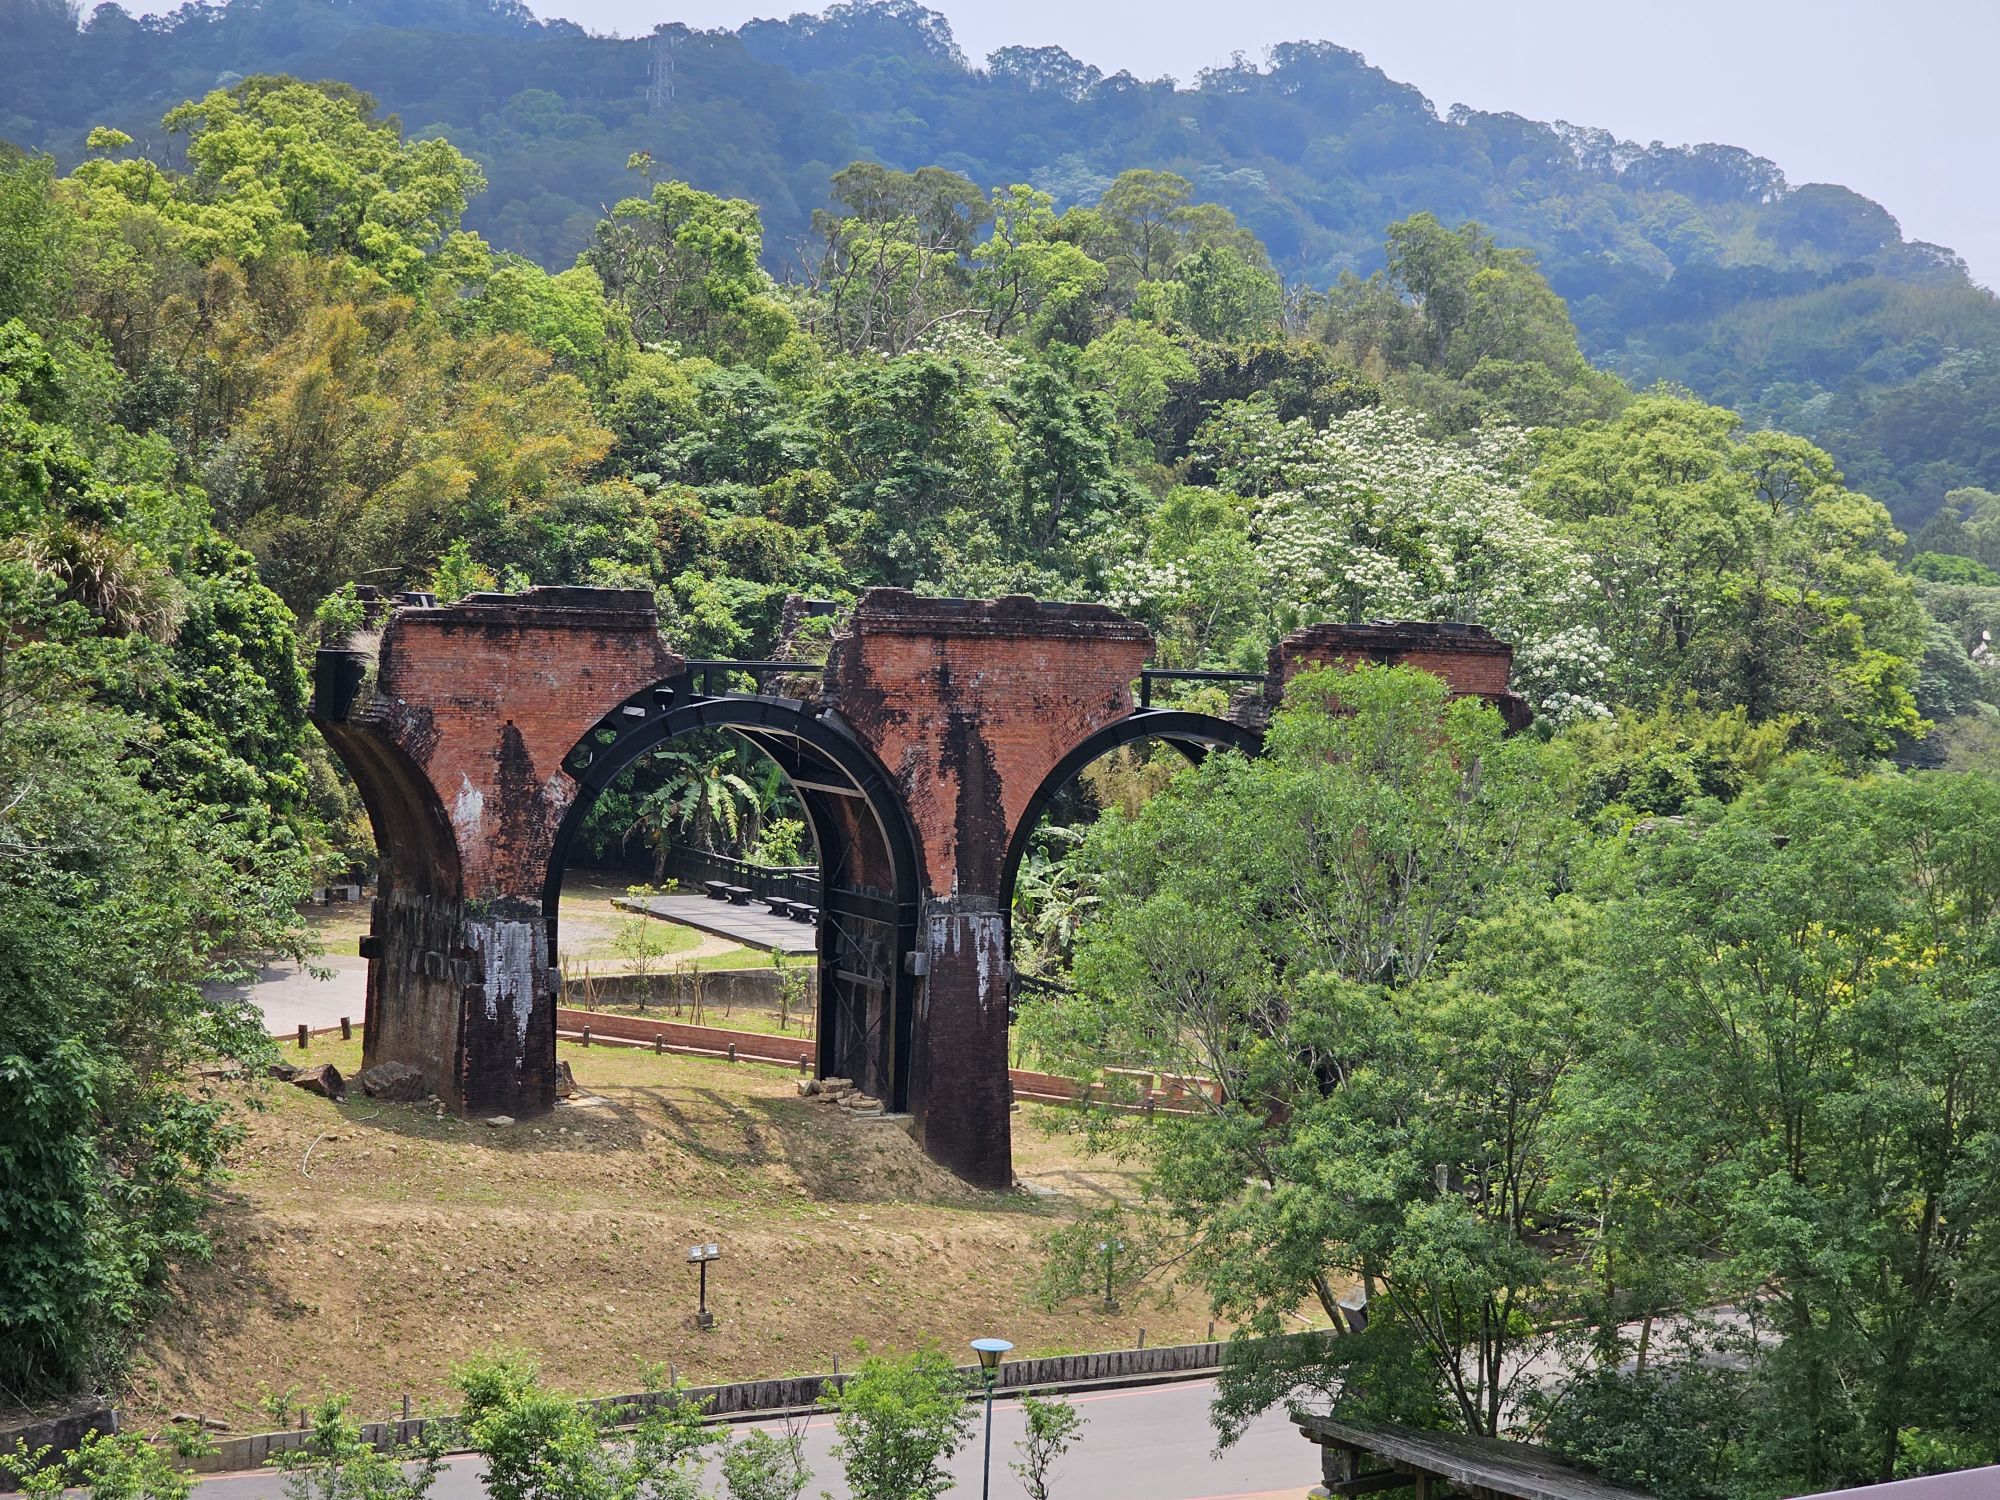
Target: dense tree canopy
1532, 1118
1800, 305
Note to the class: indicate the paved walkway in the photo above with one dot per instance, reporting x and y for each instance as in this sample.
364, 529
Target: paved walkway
288, 995
752, 925
1151, 1443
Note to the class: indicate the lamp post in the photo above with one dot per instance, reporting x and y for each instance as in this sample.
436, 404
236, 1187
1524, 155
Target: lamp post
989, 1351
1109, 1250
701, 1255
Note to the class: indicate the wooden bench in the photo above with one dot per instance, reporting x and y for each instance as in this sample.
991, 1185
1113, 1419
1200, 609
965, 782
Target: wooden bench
781, 906
738, 895
801, 912
718, 890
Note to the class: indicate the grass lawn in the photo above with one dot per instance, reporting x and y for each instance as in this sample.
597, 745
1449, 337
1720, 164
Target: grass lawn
364, 1248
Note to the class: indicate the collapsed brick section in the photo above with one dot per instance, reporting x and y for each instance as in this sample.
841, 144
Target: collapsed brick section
1468, 658
969, 704
458, 753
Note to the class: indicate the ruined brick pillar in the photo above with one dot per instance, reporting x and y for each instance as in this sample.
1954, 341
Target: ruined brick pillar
969, 705
1471, 662
456, 745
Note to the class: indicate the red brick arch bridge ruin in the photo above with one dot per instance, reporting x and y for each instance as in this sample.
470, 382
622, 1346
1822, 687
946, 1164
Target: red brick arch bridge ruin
924, 752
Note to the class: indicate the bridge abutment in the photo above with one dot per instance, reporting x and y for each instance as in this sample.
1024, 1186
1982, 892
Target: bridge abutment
457, 747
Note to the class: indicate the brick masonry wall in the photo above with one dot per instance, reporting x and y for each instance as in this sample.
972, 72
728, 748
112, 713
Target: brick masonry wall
1471, 662
461, 741
500, 688
969, 704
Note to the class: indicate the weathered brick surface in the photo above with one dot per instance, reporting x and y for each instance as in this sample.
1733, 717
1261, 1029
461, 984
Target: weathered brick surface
503, 686
1467, 657
458, 753
969, 704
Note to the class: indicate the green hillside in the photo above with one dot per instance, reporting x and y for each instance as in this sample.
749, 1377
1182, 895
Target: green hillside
1799, 304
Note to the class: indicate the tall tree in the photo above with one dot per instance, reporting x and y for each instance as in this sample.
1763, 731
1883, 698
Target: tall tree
1738, 567
1349, 937
1799, 1047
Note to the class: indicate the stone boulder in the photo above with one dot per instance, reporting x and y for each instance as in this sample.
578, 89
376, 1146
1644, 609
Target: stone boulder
394, 1081
323, 1079
565, 1080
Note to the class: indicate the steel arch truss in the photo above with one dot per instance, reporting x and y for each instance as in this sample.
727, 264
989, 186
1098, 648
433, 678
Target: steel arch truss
1193, 734
870, 891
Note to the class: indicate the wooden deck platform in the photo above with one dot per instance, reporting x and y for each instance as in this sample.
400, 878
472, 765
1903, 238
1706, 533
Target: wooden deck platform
1405, 1458
753, 925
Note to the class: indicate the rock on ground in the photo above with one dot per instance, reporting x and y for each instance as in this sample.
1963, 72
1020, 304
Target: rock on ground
394, 1081
323, 1079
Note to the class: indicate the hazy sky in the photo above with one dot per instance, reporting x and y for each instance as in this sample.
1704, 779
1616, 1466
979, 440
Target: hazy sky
1893, 98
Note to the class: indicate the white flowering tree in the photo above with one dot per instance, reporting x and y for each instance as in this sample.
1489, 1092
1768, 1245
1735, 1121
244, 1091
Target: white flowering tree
1371, 518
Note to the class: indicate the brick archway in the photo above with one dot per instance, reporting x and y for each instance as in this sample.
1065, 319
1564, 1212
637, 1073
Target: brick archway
949, 722
1193, 734
869, 894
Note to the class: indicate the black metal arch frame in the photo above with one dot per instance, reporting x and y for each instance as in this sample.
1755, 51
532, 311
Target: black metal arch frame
1193, 734
822, 758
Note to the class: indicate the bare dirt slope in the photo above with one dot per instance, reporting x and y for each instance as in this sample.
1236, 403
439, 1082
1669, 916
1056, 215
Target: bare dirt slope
365, 1248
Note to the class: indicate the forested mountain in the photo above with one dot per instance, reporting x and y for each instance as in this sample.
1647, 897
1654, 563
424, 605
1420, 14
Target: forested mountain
1801, 306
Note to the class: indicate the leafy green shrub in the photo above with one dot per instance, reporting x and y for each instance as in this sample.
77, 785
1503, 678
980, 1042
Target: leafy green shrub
542, 1445
1053, 1427
336, 1464
339, 615
781, 843
124, 1466
762, 1466
1675, 1431
899, 1419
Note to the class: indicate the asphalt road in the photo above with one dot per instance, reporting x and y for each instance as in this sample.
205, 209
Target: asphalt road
288, 995
1150, 1443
